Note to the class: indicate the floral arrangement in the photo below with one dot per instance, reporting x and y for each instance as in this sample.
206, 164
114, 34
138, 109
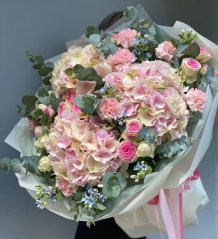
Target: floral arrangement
112, 112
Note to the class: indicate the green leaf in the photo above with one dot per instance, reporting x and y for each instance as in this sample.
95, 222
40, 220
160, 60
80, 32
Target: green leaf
43, 91
54, 102
44, 71
172, 148
37, 66
111, 188
108, 47
95, 39
87, 103
121, 179
30, 163
87, 74
47, 80
78, 196
29, 101
192, 50
10, 165
100, 207
148, 135
69, 71
36, 113
91, 30
79, 102
44, 100
44, 120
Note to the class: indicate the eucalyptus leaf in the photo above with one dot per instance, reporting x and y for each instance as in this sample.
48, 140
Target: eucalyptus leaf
10, 165
112, 187
69, 71
87, 74
30, 163
147, 134
100, 207
87, 103
36, 113
47, 80
44, 120
108, 47
91, 30
29, 101
121, 179
54, 102
95, 39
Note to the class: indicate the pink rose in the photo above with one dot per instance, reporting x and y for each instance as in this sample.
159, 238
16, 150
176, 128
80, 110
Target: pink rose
204, 55
190, 66
125, 37
165, 51
196, 99
127, 150
109, 109
133, 127
122, 57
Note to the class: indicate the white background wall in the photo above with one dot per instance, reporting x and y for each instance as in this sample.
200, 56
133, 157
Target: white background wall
43, 27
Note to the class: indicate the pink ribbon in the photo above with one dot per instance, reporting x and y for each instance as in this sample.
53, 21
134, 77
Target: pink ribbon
168, 204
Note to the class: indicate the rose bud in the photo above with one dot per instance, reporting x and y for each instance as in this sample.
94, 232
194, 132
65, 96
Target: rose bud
45, 164
145, 150
46, 109
204, 55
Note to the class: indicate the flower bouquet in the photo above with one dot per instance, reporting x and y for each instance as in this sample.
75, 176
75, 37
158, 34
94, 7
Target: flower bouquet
119, 126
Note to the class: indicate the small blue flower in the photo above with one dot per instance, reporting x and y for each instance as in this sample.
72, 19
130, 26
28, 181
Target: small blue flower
39, 204
89, 201
137, 167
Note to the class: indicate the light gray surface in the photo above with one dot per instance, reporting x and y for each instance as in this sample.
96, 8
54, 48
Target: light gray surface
43, 27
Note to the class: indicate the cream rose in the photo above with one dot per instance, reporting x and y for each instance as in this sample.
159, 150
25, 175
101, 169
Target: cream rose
45, 164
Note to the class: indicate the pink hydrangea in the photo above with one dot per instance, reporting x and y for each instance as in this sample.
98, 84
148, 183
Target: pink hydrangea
127, 150
125, 37
195, 99
109, 108
122, 57
65, 187
165, 51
